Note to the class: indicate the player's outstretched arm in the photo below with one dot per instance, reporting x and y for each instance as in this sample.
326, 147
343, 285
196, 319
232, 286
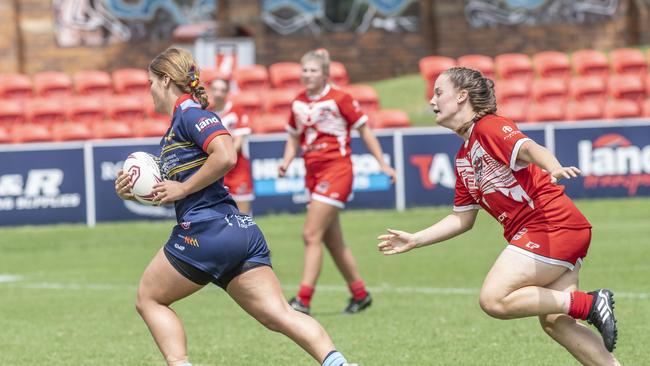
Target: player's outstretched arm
221, 158
290, 151
452, 225
374, 147
531, 152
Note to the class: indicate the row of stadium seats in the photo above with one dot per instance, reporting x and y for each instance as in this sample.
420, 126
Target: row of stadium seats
576, 110
547, 64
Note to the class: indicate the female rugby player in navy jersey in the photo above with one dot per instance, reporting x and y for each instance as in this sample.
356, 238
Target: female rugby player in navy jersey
213, 241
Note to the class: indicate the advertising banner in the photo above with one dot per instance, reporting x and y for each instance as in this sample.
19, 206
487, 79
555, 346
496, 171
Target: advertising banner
107, 161
371, 188
615, 161
42, 187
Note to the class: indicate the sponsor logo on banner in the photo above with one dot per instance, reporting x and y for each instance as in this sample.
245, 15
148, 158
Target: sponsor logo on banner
613, 161
367, 177
435, 169
37, 189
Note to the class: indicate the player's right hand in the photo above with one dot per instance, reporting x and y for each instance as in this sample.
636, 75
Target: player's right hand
282, 170
123, 186
396, 242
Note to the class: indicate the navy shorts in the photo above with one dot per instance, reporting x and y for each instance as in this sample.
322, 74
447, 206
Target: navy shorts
217, 250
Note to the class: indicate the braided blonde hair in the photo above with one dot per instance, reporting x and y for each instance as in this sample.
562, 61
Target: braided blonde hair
480, 91
182, 69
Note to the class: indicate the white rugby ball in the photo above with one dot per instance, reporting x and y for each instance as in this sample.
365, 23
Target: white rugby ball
143, 169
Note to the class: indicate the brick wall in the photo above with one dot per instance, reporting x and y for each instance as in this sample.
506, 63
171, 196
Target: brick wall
374, 55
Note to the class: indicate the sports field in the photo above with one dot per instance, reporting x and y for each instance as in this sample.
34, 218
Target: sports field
67, 295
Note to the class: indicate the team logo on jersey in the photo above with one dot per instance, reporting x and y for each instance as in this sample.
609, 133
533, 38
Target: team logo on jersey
244, 221
520, 234
189, 240
186, 225
170, 135
322, 187
533, 246
506, 129
205, 122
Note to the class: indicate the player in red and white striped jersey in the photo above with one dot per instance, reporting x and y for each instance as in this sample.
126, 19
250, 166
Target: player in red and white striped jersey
320, 124
513, 178
239, 180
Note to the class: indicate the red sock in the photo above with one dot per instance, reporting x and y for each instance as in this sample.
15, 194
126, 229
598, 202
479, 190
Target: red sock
580, 305
305, 293
358, 289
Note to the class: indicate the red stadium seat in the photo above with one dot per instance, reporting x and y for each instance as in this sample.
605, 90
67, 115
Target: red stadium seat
627, 86
512, 90
546, 112
552, 64
112, 130
622, 108
15, 86
516, 110
579, 110
482, 63
591, 62
286, 75
279, 100
207, 75
365, 95
71, 131
253, 77
5, 136
249, 101
86, 109
588, 87
550, 90
12, 112
30, 132
128, 108
270, 123
514, 66
629, 61
339, 74
646, 108
131, 81
151, 128
389, 118
46, 111
93, 82
431, 67
52, 84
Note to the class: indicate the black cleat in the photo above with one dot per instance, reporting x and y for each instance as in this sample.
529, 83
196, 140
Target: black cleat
297, 305
602, 317
356, 306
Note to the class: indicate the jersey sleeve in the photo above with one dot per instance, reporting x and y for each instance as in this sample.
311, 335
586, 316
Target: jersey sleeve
351, 111
203, 126
463, 200
502, 140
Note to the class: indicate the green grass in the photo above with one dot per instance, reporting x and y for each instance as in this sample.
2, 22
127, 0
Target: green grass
74, 304
406, 93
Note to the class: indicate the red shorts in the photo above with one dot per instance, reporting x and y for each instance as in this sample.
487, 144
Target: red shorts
564, 247
329, 182
240, 186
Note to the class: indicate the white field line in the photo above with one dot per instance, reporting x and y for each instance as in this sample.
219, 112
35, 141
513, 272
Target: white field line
18, 282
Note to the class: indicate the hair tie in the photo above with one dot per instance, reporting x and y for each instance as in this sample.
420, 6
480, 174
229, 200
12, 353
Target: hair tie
194, 77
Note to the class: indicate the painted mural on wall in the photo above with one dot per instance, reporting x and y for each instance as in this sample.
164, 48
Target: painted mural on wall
490, 13
326, 16
101, 22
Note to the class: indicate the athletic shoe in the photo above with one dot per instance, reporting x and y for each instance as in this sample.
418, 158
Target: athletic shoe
601, 315
298, 305
356, 306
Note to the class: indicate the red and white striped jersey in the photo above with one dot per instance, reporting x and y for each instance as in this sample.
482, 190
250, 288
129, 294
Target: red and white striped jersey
324, 123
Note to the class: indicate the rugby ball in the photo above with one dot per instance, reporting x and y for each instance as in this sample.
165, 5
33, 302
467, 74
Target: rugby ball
144, 172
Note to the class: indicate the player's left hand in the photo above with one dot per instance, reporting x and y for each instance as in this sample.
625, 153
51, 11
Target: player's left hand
386, 169
564, 172
168, 191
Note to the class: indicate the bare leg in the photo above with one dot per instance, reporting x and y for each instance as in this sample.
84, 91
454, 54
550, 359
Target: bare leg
518, 286
341, 254
258, 292
585, 345
319, 217
160, 286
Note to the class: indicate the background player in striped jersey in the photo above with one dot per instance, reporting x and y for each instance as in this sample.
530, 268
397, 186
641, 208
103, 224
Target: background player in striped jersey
238, 180
513, 178
320, 123
213, 241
